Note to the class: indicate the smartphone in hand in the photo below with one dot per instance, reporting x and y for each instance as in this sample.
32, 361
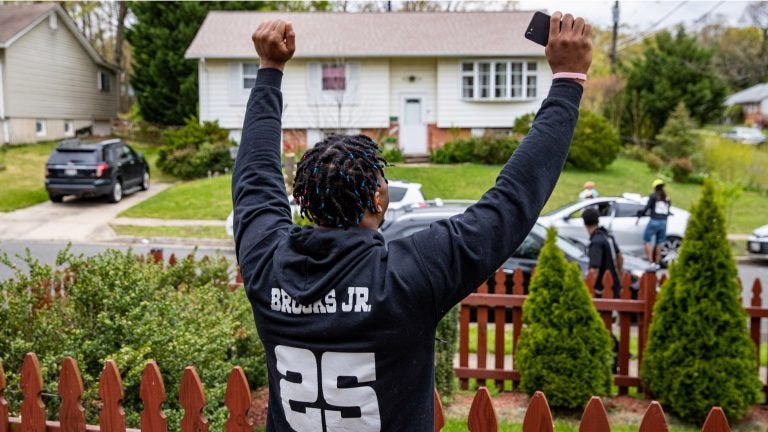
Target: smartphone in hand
538, 29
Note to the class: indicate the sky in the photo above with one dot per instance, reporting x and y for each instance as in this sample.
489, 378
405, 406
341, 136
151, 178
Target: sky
647, 15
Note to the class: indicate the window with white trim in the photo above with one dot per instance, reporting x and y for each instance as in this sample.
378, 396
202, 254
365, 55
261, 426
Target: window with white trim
249, 72
102, 81
498, 80
334, 76
69, 128
40, 128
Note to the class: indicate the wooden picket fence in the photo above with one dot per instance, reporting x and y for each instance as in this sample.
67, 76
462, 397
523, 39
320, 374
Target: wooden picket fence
493, 299
71, 416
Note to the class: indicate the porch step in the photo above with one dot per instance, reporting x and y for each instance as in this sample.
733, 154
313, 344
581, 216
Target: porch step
416, 158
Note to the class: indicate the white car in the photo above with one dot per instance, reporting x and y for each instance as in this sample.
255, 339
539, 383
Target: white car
757, 243
619, 216
745, 135
401, 194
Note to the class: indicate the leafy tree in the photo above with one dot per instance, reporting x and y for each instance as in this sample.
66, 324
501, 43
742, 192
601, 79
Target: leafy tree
699, 353
673, 68
740, 55
677, 137
523, 124
595, 142
564, 349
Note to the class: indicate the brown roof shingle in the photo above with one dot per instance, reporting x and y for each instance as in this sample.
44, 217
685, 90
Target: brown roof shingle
398, 34
16, 17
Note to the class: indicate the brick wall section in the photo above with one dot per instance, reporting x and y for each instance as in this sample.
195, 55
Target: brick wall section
437, 137
294, 140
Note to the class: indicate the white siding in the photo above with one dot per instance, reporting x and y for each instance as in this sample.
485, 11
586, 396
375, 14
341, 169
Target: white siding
455, 112
413, 77
48, 74
764, 107
221, 98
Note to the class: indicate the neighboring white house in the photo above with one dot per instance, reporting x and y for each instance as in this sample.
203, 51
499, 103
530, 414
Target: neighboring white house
754, 103
420, 77
52, 81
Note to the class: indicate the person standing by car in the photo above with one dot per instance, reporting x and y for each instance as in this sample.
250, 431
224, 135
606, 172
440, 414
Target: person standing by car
604, 253
347, 323
589, 191
658, 205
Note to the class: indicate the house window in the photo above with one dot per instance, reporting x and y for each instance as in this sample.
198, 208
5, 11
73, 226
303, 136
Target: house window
498, 80
102, 81
249, 70
69, 128
334, 76
40, 128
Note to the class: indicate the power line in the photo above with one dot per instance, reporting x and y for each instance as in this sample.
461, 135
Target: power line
648, 31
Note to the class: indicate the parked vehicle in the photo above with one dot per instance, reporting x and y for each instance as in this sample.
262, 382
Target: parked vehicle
757, 243
401, 194
95, 168
745, 135
619, 216
525, 257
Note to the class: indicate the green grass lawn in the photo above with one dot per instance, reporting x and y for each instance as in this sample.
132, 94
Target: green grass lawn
22, 182
197, 231
196, 199
150, 153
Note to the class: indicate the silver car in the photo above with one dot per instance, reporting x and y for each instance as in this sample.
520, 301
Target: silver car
619, 216
757, 243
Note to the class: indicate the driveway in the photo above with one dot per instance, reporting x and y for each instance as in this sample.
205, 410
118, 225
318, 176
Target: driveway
76, 220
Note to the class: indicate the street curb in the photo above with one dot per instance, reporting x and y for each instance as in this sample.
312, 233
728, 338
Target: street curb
174, 241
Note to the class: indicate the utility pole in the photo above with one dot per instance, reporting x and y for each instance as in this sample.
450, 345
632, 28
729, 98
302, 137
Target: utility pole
615, 35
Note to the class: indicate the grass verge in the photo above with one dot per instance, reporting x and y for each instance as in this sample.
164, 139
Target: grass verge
198, 199
195, 231
22, 182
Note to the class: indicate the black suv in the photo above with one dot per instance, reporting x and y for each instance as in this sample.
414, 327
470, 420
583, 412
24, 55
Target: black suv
97, 168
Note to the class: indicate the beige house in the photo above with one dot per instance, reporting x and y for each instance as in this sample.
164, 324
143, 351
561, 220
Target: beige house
421, 78
52, 82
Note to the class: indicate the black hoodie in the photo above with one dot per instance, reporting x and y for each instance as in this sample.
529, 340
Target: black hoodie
348, 325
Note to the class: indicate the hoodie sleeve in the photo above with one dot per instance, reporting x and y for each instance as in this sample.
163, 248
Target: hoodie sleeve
261, 211
459, 253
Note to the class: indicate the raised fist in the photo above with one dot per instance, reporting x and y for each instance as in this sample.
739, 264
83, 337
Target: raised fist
275, 43
570, 45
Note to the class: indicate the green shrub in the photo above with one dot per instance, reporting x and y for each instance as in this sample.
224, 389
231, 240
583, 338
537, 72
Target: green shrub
634, 152
653, 161
392, 154
681, 169
195, 150
595, 143
522, 124
564, 349
736, 163
447, 339
488, 149
131, 311
677, 138
699, 353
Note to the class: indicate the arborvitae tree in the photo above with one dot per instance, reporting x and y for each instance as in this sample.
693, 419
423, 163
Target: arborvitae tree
564, 350
699, 353
595, 143
677, 137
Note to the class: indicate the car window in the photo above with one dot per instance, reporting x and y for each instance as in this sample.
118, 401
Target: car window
74, 156
628, 209
603, 208
396, 194
126, 153
529, 248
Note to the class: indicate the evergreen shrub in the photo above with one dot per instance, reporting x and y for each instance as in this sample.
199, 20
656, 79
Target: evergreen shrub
595, 143
699, 353
447, 339
564, 348
195, 150
488, 149
677, 138
131, 311
522, 124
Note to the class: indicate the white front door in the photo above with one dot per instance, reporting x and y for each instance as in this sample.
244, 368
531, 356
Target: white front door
413, 128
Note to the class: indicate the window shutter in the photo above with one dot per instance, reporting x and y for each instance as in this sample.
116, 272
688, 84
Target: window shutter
235, 84
314, 83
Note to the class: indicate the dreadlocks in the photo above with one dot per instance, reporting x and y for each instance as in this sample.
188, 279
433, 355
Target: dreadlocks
337, 179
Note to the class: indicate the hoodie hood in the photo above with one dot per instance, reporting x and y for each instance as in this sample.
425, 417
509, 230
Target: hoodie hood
315, 259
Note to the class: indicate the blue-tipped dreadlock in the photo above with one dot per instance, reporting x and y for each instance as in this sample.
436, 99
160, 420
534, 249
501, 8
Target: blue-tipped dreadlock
336, 180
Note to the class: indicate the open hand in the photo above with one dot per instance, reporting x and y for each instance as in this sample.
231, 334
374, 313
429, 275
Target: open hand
570, 45
275, 43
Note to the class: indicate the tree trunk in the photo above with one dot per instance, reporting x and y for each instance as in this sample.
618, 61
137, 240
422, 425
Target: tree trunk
120, 34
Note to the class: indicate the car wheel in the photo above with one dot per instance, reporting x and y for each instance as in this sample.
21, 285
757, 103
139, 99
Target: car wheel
145, 180
56, 198
117, 192
670, 250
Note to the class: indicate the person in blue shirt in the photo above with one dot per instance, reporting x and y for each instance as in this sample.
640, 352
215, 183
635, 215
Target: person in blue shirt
347, 323
655, 233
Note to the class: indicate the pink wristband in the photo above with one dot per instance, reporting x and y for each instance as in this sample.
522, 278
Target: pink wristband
571, 75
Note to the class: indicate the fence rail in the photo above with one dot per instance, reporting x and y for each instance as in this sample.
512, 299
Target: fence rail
495, 309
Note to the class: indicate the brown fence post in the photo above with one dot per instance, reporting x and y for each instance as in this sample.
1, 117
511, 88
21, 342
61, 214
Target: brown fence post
464, 343
716, 421
71, 412
625, 322
32, 407
538, 418
172, 260
594, 419
653, 420
152, 392
192, 399
517, 314
439, 416
754, 322
590, 281
4, 426
482, 415
238, 402
500, 324
648, 289
157, 255
111, 416
482, 333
